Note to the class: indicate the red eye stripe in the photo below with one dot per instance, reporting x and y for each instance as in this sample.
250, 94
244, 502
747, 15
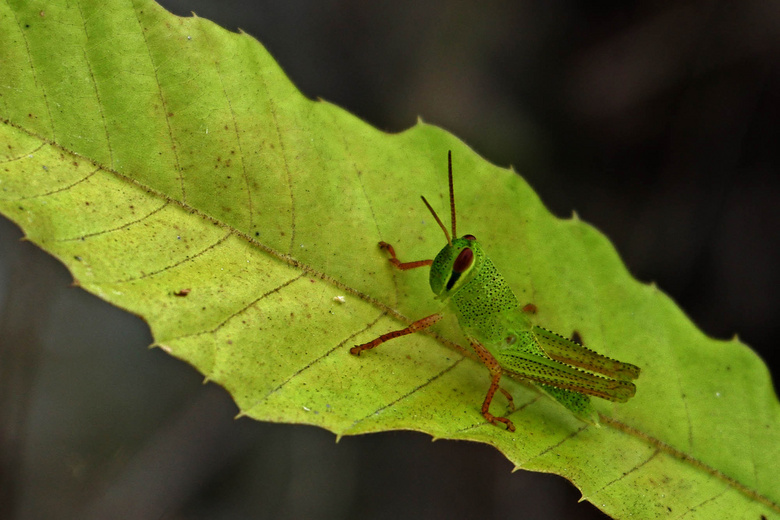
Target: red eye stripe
464, 261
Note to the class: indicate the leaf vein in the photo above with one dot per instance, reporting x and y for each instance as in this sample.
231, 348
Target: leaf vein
23, 155
703, 502
684, 457
177, 264
104, 231
359, 175
242, 309
164, 103
240, 148
272, 107
58, 190
314, 361
95, 88
407, 394
523, 407
626, 473
559, 443
34, 73
684, 400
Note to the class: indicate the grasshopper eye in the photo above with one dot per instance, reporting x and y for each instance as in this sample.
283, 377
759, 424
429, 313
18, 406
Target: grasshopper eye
469, 237
464, 261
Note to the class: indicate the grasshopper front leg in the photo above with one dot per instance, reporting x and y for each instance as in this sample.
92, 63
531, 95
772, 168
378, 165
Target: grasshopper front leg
421, 324
403, 266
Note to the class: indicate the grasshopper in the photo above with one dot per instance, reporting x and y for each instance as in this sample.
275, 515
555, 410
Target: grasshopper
502, 335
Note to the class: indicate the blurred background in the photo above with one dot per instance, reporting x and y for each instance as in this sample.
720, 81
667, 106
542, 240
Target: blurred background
656, 121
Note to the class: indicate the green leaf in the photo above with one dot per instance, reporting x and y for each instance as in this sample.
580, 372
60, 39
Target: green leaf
179, 175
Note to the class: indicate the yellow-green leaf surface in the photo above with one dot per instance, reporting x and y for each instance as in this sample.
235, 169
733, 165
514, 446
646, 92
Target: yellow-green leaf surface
179, 175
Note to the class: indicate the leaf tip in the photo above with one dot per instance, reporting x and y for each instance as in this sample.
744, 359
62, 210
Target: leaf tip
575, 217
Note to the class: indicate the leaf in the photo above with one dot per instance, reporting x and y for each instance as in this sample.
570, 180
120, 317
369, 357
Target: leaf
179, 175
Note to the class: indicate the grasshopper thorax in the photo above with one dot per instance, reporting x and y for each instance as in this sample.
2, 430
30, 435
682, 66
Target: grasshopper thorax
455, 265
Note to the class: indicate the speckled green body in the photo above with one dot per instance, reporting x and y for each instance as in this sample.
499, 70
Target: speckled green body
489, 312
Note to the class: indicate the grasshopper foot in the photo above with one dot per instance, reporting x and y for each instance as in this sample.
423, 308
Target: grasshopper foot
357, 349
492, 419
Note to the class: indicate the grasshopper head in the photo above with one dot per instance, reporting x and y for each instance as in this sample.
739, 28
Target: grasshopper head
455, 265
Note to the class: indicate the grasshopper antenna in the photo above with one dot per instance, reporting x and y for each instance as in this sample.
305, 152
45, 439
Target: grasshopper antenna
449, 241
452, 205
452, 195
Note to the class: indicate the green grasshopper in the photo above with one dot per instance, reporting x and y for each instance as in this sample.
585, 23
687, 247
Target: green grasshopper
502, 335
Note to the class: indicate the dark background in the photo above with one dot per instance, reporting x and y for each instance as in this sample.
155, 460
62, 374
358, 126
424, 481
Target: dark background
655, 121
